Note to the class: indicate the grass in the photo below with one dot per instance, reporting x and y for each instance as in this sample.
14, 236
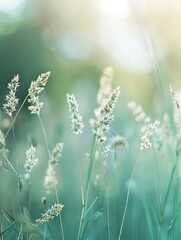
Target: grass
95, 183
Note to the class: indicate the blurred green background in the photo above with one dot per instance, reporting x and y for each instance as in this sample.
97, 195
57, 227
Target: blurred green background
75, 40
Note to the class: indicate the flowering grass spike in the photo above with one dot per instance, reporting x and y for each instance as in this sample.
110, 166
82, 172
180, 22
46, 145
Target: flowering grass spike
35, 89
50, 181
104, 116
51, 213
31, 160
105, 85
11, 100
77, 123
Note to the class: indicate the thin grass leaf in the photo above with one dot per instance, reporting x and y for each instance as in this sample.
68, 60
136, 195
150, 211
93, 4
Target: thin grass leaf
92, 221
177, 215
91, 205
7, 228
168, 189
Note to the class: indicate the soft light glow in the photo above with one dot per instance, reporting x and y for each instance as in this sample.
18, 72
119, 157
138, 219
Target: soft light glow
75, 45
11, 6
114, 7
125, 42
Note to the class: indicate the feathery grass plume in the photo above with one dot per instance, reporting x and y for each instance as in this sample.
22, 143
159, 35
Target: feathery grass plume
162, 133
138, 113
35, 89
51, 213
3, 149
105, 85
106, 99
119, 141
31, 160
148, 132
50, 181
11, 100
56, 154
104, 116
2, 140
148, 128
77, 122
105, 153
177, 111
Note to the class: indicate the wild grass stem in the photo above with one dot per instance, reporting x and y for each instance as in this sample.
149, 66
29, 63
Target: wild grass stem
14, 119
56, 192
86, 190
127, 196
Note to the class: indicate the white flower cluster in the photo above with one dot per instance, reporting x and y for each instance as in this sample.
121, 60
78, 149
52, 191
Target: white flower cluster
105, 85
104, 116
77, 122
51, 213
31, 160
35, 89
3, 149
148, 131
139, 114
50, 180
11, 100
105, 153
148, 128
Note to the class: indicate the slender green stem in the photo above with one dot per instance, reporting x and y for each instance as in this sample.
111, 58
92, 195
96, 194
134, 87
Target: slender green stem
30, 237
168, 188
45, 135
56, 193
14, 119
60, 217
44, 233
108, 210
166, 197
127, 198
17, 167
28, 195
12, 168
20, 232
86, 190
89, 172
80, 172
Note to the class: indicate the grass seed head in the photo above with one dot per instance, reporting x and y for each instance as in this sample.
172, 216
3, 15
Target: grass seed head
50, 214
36, 87
31, 160
77, 122
104, 116
105, 85
11, 99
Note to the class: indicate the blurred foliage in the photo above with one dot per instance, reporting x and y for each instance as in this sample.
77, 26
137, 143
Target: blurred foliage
73, 43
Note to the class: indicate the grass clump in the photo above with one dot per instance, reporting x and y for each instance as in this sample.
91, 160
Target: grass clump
124, 182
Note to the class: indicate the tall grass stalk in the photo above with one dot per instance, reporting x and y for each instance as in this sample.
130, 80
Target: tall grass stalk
56, 193
100, 196
15, 117
60, 217
167, 192
86, 189
108, 207
127, 196
80, 170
